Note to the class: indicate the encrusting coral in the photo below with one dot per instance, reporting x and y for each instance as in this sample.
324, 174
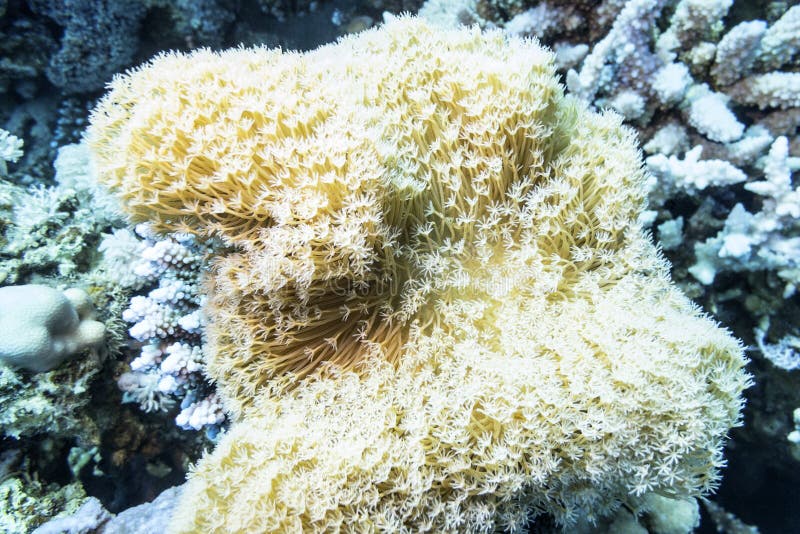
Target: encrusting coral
435, 310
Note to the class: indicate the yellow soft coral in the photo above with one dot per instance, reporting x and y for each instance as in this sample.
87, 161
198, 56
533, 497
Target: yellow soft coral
436, 310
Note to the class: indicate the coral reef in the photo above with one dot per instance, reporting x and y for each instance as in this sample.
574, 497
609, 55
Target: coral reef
57, 55
169, 321
55, 229
712, 89
767, 240
90, 517
434, 308
66, 422
52, 402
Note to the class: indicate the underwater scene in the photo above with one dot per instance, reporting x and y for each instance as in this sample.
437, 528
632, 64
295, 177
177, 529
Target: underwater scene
400, 266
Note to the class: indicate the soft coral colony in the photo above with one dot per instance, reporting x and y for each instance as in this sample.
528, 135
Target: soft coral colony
434, 309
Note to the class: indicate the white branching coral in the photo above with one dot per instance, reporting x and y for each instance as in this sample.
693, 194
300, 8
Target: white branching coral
622, 57
781, 197
763, 240
10, 149
738, 49
771, 90
694, 22
169, 321
781, 42
691, 173
671, 83
540, 21
709, 113
436, 310
206, 412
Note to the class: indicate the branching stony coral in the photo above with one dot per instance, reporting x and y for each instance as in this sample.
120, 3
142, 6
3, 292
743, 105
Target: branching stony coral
437, 310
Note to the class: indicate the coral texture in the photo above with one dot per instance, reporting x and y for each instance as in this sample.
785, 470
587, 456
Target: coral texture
55, 403
99, 38
169, 323
40, 326
436, 309
55, 229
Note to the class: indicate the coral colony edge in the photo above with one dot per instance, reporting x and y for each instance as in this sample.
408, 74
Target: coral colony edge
432, 308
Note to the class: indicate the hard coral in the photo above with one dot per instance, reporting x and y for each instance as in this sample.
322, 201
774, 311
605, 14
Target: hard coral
438, 311
40, 326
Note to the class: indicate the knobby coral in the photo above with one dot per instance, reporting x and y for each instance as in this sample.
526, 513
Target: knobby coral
435, 308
